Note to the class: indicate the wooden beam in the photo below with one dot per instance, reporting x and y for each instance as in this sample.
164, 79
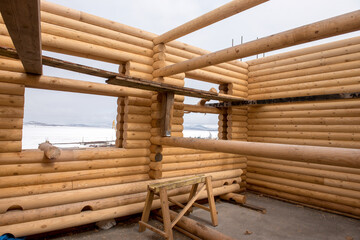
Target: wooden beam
327, 28
166, 113
188, 108
346, 157
127, 81
207, 19
22, 19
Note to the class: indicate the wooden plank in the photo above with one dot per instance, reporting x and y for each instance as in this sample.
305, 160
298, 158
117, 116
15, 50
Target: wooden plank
22, 19
126, 81
207, 19
327, 28
166, 113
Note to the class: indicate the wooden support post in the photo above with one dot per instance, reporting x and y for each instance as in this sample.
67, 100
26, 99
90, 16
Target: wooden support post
22, 19
166, 113
207, 19
327, 28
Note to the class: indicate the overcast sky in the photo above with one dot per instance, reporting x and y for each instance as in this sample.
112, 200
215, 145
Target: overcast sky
159, 16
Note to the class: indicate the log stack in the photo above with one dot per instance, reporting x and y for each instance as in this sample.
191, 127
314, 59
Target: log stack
324, 69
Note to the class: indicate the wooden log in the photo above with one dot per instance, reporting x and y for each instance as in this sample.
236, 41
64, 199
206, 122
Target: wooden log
201, 109
25, 229
238, 93
200, 164
325, 155
170, 80
11, 88
212, 77
330, 27
308, 85
11, 100
10, 146
304, 51
51, 152
133, 118
308, 64
310, 201
306, 135
49, 167
189, 157
34, 179
305, 192
138, 67
304, 178
129, 144
68, 22
238, 198
305, 185
197, 228
310, 142
11, 65
306, 121
10, 135
135, 101
330, 168
137, 127
11, 123
11, 112
306, 72
129, 109
62, 84
130, 135
306, 128
37, 156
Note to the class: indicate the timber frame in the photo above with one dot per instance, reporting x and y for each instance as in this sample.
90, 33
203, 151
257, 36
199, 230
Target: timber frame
289, 123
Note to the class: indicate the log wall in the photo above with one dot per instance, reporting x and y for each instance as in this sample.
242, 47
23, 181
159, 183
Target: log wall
90, 185
324, 69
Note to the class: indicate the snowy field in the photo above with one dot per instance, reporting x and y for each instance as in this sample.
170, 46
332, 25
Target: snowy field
33, 135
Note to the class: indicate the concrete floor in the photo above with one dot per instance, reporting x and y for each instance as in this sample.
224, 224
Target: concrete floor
282, 221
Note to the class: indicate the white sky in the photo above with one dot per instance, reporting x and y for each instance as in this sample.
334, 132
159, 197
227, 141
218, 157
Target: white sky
159, 16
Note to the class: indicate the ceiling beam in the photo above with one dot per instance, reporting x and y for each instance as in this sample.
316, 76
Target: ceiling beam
22, 19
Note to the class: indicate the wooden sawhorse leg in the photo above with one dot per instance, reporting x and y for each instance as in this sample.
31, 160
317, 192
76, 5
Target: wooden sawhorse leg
213, 213
147, 208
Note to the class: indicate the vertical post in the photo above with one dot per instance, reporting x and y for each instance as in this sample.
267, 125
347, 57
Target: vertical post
166, 113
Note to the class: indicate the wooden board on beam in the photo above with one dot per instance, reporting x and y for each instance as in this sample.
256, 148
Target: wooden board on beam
22, 19
126, 81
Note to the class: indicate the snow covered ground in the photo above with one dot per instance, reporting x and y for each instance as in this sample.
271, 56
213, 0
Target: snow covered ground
33, 135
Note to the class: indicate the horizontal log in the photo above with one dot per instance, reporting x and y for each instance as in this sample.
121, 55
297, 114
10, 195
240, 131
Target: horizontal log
11, 123
131, 144
309, 92
233, 135
305, 192
94, 20
137, 127
352, 112
62, 84
49, 167
11, 112
325, 155
238, 93
207, 19
11, 100
200, 164
70, 185
136, 101
24, 229
322, 29
354, 177
304, 178
177, 173
179, 158
11, 65
306, 121
212, 77
201, 109
10, 146
133, 118
131, 135
348, 57
308, 200
311, 142
11, 88
304, 185
307, 128
307, 72
35, 179
10, 134
130, 109
304, 51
